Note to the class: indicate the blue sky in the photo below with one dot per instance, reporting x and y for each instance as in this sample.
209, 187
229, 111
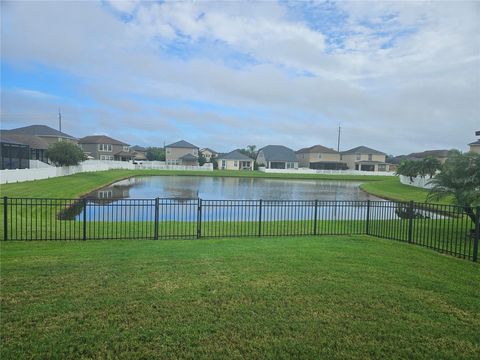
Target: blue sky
398, 76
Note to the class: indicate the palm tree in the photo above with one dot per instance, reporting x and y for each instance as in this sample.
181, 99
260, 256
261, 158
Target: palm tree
460, 179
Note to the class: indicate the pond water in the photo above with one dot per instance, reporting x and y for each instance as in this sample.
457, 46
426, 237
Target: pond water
219, 188
224, 199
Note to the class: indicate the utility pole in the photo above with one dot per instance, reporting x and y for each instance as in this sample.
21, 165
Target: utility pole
59, 121
338, 141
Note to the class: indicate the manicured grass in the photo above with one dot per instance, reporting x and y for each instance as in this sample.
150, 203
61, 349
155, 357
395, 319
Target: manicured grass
80, 184
304, 297
392, 189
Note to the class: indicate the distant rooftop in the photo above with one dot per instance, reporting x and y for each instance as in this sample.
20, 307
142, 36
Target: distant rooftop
235, 155
362, 150
182, 144
39, 130
100, 139
278, 153
317, 149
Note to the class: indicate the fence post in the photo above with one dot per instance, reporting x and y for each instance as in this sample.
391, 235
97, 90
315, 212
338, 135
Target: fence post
199, 219
260, 218
157, 205
315, 213
5, 218
367, 225
410, 221
84, 219
477, 234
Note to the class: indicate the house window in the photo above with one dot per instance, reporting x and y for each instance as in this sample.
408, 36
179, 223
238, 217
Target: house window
104, 147
382, 167
370, 156
290, 165
319, 156
358, 156
126, 148
224, 164
106, 157
235, 163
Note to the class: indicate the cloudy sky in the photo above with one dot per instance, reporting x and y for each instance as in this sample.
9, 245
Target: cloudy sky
398, 76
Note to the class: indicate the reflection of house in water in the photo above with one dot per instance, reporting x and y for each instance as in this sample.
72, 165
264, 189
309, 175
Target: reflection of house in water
119, 190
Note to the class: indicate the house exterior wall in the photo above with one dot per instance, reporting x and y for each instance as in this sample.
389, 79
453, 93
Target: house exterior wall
261, 159
351, 159
93, 150
208, 155
475, 148
227, 164
304, 159
53, 139
172, 155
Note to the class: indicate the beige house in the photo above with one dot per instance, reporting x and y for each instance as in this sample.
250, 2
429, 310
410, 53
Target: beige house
208, 154
139, 153
102, 147
475, 146
235, 160
320, 157
364, 159
181, 153
277, 157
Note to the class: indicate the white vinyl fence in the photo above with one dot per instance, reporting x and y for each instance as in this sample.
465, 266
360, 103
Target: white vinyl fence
38, 173
329, 172
420, 182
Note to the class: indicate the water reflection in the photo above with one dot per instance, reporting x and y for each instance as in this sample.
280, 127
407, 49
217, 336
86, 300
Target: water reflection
219, 188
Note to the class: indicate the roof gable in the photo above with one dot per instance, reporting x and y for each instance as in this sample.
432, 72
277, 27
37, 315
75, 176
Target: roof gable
182, 144
317, 149
278, 153
362, 150
235, 155
39, 130
100, 139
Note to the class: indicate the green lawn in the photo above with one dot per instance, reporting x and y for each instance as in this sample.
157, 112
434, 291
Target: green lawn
299, 297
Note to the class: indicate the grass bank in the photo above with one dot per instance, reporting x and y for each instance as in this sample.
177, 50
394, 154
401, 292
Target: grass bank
80, 184
329, 297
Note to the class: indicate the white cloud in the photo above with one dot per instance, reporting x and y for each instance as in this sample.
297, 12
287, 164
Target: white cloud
422, 92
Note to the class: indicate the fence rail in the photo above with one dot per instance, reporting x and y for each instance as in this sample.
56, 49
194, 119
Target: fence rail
446, 228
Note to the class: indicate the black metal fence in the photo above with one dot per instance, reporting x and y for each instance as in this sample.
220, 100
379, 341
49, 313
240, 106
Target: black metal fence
446, 228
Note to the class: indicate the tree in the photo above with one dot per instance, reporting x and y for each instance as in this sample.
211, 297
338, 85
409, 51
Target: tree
64, 153
429, 166
459, 178
201, 159
409, 168
155, 154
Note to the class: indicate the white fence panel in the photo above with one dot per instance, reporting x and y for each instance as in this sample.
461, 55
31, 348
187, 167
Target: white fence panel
420, 182
39, 173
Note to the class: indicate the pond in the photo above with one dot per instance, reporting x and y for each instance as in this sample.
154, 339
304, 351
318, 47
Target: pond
224, 188
224, 199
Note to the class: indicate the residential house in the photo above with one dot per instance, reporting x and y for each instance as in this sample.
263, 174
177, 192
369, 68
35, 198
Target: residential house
277, 157
320, 157
440, 155
38, 138
102, 147
13, 154
475, 146
208, 154
364, 159
235, 160
139, 153
181, 153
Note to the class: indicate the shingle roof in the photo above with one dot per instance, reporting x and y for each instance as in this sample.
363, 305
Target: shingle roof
278, 153
208, 149
137, 148
317, 149
475, 142
235, 155
33, 141
100, 139
39, 130
10, 140
188, 157
427, 153
362, 150
182, 144
124, 153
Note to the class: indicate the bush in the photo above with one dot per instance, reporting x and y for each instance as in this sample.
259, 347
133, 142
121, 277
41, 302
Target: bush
64, 153
155, 154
